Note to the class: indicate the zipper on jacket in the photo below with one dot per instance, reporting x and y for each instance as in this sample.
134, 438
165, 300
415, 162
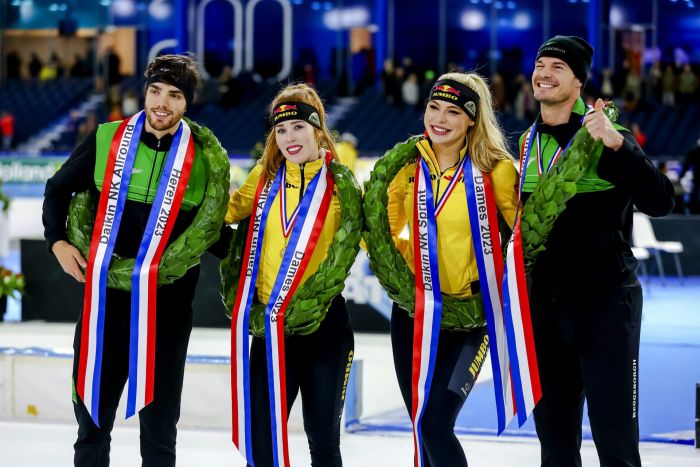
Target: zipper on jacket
301, 187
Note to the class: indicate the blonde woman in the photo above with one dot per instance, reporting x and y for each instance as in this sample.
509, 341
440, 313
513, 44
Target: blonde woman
461, 175
295, 199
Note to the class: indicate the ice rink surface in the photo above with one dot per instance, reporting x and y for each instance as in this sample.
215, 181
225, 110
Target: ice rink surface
41, 445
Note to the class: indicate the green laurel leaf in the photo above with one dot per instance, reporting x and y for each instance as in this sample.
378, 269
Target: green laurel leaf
185, 252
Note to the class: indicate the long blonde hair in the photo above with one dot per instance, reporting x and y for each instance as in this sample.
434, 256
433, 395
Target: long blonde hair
486, 144
272, 157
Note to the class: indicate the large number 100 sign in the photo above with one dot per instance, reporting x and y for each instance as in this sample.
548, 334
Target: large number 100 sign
241, 48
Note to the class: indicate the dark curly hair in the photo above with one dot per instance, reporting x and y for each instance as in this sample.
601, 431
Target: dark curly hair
181, 71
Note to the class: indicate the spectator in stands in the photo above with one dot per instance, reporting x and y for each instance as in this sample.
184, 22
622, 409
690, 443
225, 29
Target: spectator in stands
654, 82
687, 84
111, 70
585, 299
607, 91
427, 84
227, 89
13, 63
347, 150
669, 86
639, 135
85, 128
633, 86
35, 66
498, 88
679, 194
130, 104
48, 71
115, 113
397, 97
57, 64
524, 105
7, 129
689, 179
171, 81
80, 68
410, 91
387, 78
309, 74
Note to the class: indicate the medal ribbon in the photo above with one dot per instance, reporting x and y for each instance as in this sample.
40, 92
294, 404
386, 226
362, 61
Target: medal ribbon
113, 195
312, 212
144, 279
428, 310
483, 220
305, 233
240, 359
287, 224
115, 186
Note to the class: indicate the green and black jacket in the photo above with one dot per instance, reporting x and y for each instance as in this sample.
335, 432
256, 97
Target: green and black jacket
590, 242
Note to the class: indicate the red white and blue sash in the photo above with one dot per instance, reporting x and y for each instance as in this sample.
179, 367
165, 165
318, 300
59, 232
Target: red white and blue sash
483, 220
115, 187
306, 229
540, 157
144, 279
448, 191
428, 311
516, 307
521, 342
240, 359
287, 222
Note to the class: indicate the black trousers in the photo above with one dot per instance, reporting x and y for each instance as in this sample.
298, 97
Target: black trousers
459, 360
158, 420
316, 366
588, 347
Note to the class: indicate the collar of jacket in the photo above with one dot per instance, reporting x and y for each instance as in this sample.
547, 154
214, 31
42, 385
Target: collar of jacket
310, 170
151, 141
426, 150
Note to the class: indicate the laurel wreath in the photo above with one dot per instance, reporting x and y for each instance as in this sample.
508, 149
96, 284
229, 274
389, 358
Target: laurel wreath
385, 260
547, 202
186, 251
309, 305
555, 188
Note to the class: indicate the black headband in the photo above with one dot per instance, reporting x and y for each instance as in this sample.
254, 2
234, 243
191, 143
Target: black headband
458, 94
163, 75
295, 111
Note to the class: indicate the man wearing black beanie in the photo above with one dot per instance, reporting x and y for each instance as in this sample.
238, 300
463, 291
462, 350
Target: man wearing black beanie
585, 298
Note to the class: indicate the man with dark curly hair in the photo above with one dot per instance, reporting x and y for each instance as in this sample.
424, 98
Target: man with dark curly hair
149, 176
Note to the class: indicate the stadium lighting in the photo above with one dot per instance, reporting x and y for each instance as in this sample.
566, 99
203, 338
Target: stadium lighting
617, 16
123, 7
472, 20
160, 10
522, 21
345, 18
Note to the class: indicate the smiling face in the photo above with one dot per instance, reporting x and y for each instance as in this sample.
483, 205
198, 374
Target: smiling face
297, 141
553, 81
165, 106
445, 123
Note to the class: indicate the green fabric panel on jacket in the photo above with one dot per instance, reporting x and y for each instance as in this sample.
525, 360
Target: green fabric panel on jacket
148, 166
590, 182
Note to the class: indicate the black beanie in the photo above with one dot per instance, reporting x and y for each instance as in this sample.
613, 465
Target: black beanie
576, 52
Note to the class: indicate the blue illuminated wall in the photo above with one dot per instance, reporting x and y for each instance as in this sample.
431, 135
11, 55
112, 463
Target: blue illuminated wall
516, 27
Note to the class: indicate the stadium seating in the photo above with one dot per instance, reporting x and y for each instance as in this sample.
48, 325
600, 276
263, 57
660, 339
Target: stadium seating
35, 104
